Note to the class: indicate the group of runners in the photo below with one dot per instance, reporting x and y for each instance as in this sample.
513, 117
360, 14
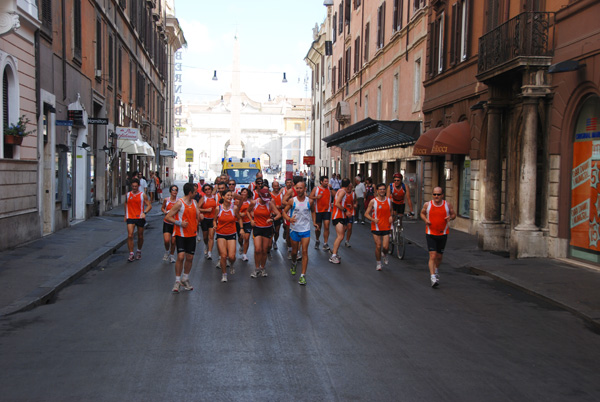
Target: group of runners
235, 216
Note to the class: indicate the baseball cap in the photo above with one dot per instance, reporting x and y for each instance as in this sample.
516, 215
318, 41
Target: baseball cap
265, 194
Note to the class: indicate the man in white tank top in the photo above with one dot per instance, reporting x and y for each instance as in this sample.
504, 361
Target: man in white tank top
299, 212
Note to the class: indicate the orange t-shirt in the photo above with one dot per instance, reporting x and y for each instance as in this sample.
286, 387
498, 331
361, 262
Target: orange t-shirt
209, 202
187, 213
262, 213
382, 210
437, 215
226, 222
244, 209
323, 203
135, 205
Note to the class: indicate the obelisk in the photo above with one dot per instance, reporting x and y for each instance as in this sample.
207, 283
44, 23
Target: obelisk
235, 149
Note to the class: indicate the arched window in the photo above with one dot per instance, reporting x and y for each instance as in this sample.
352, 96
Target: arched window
9, 102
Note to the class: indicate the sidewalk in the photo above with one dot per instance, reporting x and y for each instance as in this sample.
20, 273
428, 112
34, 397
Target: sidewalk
33, 273
565, 284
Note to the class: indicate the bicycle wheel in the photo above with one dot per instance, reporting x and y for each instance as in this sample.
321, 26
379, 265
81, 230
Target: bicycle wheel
400, 246
392, 241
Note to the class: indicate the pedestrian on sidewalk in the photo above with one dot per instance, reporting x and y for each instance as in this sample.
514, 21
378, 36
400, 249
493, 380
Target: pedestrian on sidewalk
379, 212
436, 214
136, 206
184, 214
359, 192
301, 213
151, 187
168, 227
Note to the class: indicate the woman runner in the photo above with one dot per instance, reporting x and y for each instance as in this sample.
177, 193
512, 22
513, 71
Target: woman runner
224, 225
168, 237
262, 223
207, 206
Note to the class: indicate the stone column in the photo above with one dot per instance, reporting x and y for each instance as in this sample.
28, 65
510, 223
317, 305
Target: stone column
528, 172
493, 171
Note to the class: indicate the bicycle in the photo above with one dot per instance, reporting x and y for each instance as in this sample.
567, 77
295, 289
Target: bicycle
397, 239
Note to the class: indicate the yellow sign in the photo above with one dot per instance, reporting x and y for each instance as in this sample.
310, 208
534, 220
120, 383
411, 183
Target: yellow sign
189, 155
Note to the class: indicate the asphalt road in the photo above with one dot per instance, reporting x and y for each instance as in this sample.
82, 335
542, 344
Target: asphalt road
351, 334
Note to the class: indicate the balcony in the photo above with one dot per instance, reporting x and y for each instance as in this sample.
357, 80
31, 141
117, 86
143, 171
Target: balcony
526, 40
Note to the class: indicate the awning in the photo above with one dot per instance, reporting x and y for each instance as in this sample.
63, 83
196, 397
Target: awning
425, 142
149, 149
454, 139
132, 147
167, 153
370, 135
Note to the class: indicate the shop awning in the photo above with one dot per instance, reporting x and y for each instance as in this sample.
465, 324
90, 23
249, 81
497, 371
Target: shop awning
370, 135
167, 153
131, 147
425, 142
454, 139
149, 149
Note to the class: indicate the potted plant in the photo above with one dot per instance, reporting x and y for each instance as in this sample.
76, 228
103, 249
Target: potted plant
14, 133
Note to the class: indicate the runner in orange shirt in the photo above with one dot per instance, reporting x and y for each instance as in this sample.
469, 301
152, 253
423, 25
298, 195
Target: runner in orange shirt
350, 206
262, 213
207, 206
245, 221
379, 212
322, 196
277, 196
136, 206
436, 214
224, 224
184, 215
339, 220
168, 228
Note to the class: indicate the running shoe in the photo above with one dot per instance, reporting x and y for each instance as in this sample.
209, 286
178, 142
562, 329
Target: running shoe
185, 284
255, 274
293, 268
241, 251
384, 257
199, 237
224, 278
131, 257
172, 258
209, 256
437, 276
176, 287
205, 253
378, 266
232, 270
334, 259
244, 257
302, 280
317, 244
289, 254
346, 244
138, 255
263, 272
434, 282
166, 256
274, 245
325, 246
362, 222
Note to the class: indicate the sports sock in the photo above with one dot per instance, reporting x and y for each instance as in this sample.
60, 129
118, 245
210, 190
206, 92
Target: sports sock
177, 278
185, 277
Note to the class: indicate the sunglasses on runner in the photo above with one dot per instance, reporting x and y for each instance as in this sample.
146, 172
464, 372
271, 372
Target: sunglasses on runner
436, 195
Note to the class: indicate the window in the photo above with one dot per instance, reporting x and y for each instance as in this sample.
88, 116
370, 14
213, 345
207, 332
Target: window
347, 12
98, 46
418, 4
120, 69
110, 59
47, 17
436, 46
417, 83
140, 90
398, 9
131, 69
464, 194
366, 58
458, 43
334, 27
333, 77
77, 29
356, 54
356, 4
341, 20
396, 89
340, 72
348, 65
381, 25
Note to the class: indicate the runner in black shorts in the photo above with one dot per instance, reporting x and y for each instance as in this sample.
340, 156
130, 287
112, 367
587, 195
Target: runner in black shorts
436, 243
140, 223
185, 245
264, 232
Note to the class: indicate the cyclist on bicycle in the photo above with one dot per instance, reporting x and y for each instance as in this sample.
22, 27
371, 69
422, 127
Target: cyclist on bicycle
398, 192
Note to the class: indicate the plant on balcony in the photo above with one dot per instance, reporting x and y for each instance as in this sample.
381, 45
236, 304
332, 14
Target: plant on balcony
14, 133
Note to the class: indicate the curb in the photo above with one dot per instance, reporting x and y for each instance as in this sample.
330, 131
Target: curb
42, 294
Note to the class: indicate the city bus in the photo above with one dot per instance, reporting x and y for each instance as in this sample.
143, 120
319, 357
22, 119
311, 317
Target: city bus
242, 170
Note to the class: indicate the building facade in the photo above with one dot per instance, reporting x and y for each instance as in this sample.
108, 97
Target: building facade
92, 70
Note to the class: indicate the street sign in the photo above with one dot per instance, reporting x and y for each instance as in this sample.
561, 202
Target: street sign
97, 120
309, 152
64, 122
189, 155
309, 160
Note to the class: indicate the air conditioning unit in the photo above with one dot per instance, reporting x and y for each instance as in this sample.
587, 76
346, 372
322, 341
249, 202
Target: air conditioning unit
98, 74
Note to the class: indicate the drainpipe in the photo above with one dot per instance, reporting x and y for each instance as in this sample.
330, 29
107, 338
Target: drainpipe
64, 51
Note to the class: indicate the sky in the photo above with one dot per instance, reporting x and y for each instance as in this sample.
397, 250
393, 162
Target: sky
274, 37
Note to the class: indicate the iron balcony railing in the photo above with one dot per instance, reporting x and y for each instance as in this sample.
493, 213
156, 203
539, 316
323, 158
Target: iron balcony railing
529, 34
